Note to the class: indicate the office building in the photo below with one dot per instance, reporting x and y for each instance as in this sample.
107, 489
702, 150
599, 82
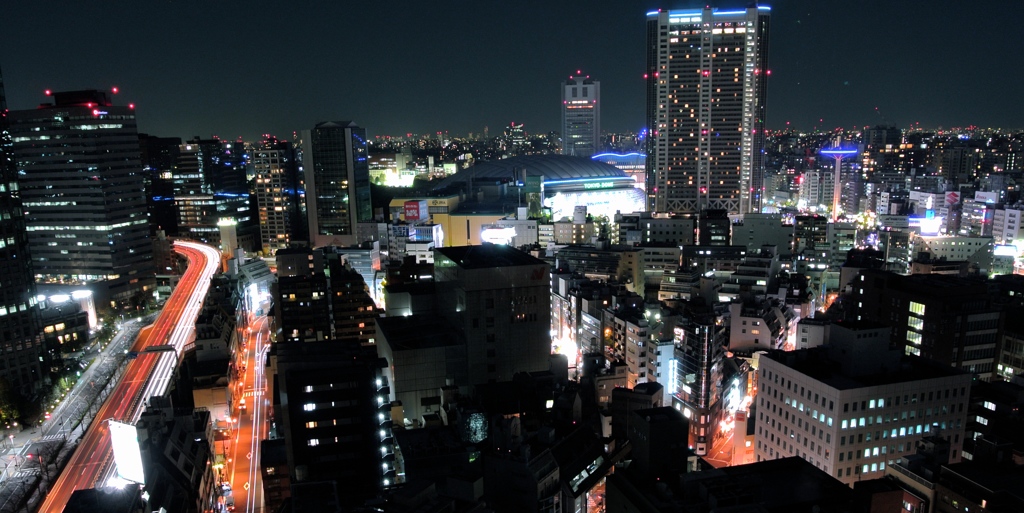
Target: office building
947, 319
706, 79
19, 313
499, 298
581, 116
855, 405
337, 179
81, 184
487, 318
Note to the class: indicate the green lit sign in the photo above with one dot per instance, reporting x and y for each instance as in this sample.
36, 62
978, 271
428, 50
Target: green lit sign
599, 185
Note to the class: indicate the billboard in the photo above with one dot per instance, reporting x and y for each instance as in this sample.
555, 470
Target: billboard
416, 210
124, 438
952, 198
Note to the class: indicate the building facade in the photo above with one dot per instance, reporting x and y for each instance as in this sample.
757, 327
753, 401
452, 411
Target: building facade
82, 190
706, 82
337, 178
277, 197
854, 406
581, 116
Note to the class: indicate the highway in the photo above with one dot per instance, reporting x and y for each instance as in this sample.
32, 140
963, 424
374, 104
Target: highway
145, 376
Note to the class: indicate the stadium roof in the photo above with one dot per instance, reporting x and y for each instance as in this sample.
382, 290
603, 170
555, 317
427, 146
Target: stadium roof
551, 167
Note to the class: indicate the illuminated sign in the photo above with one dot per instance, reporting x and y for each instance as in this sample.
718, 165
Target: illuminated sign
599, 185
124, 438
1005, 250
415, 210
498, 235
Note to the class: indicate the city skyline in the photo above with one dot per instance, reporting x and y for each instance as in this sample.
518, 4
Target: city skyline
423, 69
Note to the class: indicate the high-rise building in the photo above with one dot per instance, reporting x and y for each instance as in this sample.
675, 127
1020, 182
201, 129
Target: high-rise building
337, 182
159, 155
581, 116
82, 190
706, 78
277, 194
19, 313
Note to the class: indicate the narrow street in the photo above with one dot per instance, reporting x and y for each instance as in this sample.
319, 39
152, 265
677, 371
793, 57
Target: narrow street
250, 410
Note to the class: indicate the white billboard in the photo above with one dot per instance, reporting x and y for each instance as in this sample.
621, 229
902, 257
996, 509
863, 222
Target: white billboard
124, 438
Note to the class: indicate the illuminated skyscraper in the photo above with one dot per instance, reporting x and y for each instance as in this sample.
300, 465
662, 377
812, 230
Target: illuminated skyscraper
82, 189
706, 78
19, 324
581, 116
277, 196
337, 182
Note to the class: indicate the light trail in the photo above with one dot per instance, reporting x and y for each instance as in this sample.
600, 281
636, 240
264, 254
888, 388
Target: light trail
147, 375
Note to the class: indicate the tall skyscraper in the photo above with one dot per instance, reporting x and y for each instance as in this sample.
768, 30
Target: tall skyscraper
82, 189
706, 78
277, 194
19, 321
581, 116
337, 182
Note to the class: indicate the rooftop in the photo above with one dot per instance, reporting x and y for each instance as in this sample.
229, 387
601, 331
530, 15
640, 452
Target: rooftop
552, 167
816, 364
488, 256
417, 332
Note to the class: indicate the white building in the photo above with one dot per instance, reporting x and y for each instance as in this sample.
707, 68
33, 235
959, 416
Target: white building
1006, 225
976, 250
855, 406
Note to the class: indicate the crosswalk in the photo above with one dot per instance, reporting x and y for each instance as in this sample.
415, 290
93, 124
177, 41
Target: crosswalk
50, 438
27, 472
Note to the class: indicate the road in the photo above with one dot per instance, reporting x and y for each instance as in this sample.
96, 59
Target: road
144, 376
253, 425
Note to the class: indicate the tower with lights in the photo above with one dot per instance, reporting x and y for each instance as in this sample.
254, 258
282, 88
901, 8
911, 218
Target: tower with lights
581, 116
837, 153
706, 81
82, 188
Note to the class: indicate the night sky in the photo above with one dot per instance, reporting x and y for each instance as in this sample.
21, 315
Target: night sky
242, 68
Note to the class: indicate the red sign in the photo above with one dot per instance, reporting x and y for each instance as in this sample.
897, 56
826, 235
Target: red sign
412, 211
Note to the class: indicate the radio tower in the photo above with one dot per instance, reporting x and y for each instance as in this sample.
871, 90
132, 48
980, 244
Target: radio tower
838, 153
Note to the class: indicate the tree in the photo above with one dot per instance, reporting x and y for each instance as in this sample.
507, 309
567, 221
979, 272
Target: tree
8, 403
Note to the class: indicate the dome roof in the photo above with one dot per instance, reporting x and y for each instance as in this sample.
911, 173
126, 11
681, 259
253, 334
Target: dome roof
551, 167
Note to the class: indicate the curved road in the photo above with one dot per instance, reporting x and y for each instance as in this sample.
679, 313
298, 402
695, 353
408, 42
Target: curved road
145, 376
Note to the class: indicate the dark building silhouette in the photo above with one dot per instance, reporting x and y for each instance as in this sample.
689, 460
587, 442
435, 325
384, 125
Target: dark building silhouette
947, 319
159, 155
336, 419
19, 320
